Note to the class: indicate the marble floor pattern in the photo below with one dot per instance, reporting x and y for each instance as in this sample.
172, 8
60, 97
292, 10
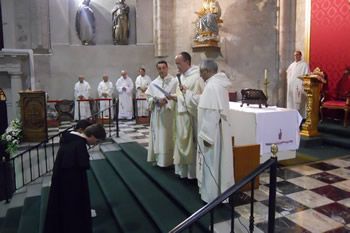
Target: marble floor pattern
310, 198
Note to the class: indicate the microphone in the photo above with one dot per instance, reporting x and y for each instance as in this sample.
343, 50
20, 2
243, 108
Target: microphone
178, 75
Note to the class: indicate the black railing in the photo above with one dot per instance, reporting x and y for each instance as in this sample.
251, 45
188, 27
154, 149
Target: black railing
38, 160
209, 208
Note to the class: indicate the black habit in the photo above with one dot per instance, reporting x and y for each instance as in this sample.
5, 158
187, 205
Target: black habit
68, 207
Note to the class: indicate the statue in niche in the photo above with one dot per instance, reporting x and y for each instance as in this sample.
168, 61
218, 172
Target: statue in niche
207, 24
85, 23
120, 19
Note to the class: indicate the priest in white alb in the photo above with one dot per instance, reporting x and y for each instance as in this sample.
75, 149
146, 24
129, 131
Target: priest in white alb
141, 84
185, 150
105, 93
82, 92
161, 138
214, 158
296, 97
125, 87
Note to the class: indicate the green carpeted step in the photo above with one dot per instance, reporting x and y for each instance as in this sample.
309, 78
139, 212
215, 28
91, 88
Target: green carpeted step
30, 217
104, 221
336, 140
183, 191
12, 218
163, 210
44, 199
334, 129
129, 215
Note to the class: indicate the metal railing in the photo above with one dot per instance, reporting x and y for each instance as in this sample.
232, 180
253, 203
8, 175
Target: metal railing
38, 160
209, 208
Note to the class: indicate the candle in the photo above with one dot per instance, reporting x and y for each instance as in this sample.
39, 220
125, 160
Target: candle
265, 75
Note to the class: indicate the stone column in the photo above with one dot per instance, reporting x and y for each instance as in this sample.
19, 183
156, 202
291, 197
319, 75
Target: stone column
163, 15
40, 25
16, 86
286, 44
8, 23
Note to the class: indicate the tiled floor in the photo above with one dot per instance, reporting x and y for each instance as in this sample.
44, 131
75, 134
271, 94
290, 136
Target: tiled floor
310, 198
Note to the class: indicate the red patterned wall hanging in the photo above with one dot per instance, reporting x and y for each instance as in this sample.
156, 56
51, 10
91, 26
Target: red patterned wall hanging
330, 38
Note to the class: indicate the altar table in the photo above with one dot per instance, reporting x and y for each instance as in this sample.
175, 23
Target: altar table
266, 126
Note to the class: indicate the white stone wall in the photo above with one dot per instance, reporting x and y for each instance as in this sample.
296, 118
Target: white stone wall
248, 40
60, 71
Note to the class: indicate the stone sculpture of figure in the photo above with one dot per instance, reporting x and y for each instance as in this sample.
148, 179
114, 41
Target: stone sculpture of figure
120, 18
85, 23
207, 24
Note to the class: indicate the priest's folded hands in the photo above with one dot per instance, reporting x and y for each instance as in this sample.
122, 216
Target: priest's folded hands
160, 101
172, 97
183, 88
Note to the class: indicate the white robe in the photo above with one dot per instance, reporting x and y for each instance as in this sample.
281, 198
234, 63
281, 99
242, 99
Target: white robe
214, 163
296, 97
142, 105
82, 89
186, 125
161, 138
125, 97
105, 88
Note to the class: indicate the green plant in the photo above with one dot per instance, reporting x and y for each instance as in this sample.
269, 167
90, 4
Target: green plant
12, 136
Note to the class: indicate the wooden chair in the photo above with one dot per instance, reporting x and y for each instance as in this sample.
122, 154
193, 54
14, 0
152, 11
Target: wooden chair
65, 110
342, 98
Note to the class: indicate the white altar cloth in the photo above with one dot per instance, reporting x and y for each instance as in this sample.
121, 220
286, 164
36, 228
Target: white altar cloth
266, 126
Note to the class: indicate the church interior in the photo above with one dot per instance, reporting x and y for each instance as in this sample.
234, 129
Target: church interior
43, 53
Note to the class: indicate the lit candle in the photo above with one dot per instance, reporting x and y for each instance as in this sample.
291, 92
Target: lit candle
265, 75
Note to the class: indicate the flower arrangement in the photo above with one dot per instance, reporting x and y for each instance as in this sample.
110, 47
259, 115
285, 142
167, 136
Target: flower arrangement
12, 136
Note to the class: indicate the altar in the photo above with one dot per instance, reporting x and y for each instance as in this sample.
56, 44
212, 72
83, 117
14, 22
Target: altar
266, 126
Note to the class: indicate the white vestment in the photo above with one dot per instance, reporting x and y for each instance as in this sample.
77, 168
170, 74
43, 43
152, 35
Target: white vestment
215, 162
105, 91
161, 138
296, 97
186, 125
142, 105
82, 89
125, 97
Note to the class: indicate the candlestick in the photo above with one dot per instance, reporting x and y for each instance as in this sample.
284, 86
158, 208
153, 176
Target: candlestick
266, 83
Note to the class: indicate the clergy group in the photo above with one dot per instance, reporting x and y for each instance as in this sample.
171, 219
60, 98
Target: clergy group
189, 124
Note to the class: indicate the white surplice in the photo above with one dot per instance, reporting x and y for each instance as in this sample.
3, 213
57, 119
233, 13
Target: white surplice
296, 97
214, 162
105, 91
82, 89
161, 138
142, 105
125, 97
186, 125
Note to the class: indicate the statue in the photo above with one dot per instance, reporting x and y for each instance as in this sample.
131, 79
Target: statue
120, 19
207, 24
85, 23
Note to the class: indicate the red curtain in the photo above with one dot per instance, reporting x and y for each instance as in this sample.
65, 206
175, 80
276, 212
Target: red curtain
330, 38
